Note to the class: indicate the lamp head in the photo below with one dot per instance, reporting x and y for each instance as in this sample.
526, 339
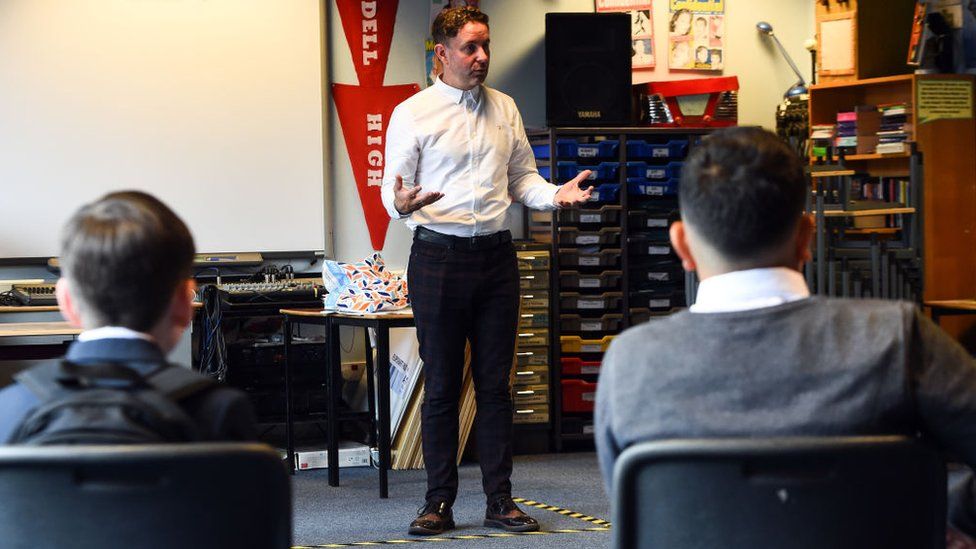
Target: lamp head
800, 88
764, 27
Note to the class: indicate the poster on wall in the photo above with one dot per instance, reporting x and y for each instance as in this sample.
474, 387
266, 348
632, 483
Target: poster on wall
641, 28
364, 108
433, 66
696, 35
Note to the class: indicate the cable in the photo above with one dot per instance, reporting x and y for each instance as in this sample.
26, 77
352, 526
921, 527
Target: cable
7, 299
214, 359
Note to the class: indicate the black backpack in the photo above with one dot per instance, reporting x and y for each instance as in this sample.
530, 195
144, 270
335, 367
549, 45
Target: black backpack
107, 403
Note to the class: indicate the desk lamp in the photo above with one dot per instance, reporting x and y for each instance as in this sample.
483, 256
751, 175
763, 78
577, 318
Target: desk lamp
800, 88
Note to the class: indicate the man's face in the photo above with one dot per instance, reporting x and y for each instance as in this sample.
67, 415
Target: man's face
465, 56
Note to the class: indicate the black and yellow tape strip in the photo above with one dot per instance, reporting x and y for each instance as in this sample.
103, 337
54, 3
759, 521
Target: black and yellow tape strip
564, 512
600, 525
441, 539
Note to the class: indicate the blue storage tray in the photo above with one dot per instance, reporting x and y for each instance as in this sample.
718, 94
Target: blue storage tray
675, 148
642, 187
606, 192
544, 171
571, 148
672, 170
604, 171
541, 151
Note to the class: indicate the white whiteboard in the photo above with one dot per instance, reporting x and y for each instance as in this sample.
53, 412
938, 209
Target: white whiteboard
212, 105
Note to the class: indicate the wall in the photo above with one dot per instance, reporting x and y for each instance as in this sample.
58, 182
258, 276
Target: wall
518, 69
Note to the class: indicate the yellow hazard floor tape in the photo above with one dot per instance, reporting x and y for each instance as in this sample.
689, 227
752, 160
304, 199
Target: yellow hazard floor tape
600, 526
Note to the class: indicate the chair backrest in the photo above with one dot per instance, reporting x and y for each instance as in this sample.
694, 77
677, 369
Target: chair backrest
144, 496
796, 493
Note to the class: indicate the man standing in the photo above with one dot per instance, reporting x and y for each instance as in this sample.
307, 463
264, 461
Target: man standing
466, 144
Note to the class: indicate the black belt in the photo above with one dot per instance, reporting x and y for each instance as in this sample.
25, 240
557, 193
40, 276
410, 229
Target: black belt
463, 243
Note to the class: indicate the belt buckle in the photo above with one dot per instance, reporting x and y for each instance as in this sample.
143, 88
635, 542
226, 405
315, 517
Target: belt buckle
478, 241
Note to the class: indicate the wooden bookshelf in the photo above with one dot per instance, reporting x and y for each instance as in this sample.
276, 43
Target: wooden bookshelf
948, 199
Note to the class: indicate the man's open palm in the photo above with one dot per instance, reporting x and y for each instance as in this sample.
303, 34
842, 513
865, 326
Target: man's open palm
570, 194
410, 200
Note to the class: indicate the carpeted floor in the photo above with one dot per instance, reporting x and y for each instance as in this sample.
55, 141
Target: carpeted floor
354, 513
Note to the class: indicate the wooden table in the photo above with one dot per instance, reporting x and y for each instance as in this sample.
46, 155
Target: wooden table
381, 323
34, 329
951, 307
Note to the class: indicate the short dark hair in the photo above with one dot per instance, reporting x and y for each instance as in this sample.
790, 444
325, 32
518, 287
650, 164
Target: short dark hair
450, 20
123, 256
742, 189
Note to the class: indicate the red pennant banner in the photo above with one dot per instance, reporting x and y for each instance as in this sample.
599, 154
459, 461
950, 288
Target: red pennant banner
364, 114
368, 26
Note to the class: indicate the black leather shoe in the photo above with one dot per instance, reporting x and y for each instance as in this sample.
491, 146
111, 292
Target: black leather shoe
504, 514
433, 518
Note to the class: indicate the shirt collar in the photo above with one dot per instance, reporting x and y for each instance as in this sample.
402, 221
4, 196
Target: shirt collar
112, 332
457, 95
749, 289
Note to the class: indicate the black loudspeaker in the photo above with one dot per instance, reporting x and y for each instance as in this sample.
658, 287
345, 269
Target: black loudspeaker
588, 69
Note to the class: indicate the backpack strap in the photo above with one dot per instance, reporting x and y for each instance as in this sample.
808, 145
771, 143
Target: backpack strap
56, 376
42, 380
177, 382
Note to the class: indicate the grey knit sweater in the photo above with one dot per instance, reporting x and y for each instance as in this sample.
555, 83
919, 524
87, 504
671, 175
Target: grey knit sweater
811, 367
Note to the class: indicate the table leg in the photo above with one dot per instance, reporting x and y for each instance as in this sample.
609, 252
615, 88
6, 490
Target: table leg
289, 440
371, 390
334, 385
383, 405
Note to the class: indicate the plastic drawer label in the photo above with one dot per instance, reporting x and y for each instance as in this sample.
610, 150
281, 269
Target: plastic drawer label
653, 190
656, 173
591, 326
589, 397
588, 239
660, 152
589, 283
658, 303
657, 222
588, 429
589, 261
589, 303
591, 348
658, 250
590, 218
590, 370
587, 151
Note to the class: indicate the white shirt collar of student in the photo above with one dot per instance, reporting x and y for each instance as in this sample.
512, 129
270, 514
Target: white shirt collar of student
112, 332
457, 95
749, 289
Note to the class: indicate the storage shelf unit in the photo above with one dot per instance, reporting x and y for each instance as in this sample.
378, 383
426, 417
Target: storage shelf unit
948, 196
613, 264
530, 379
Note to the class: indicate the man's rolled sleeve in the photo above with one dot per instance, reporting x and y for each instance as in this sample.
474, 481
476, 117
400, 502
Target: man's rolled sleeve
400, 157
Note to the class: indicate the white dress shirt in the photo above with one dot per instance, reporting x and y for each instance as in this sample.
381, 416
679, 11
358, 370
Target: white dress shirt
749, 289
469, 145
112, 332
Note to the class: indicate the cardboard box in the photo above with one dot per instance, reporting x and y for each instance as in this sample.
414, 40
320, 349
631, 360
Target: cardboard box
351, 454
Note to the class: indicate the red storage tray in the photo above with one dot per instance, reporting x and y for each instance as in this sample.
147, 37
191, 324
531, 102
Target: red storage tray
575, 366
578, 395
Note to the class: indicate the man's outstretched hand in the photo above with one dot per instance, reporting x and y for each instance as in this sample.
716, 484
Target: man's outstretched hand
570, 195
410, 200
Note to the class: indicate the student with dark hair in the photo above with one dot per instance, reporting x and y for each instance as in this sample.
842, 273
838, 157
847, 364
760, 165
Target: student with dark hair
757, 355
126, 263
465, 143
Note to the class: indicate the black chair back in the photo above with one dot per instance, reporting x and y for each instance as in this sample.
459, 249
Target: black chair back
144, 496
796, 493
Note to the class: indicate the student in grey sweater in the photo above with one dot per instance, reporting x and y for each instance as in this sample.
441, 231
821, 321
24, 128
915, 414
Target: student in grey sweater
757, 355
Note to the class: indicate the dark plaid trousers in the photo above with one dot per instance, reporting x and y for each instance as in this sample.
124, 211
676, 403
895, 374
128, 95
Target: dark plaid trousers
456, 296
